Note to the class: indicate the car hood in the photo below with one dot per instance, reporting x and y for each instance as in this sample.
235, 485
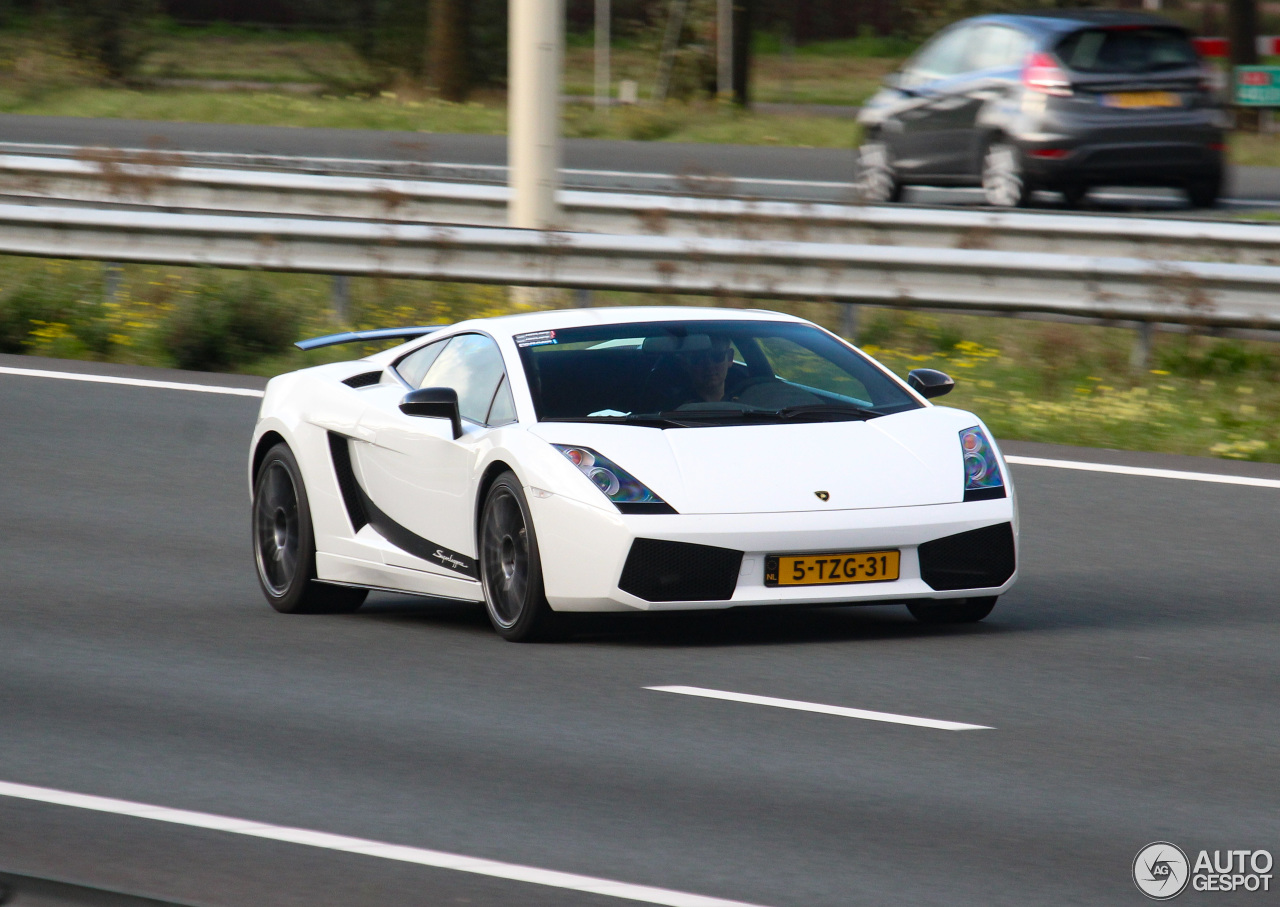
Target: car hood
904, 460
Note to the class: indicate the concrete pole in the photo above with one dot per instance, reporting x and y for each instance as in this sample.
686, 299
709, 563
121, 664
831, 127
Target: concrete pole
724, 48
536, 61
603, 80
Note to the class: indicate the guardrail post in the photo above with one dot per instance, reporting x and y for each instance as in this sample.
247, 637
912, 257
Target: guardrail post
582, 299
1144, 338
341, 295
849, 322
112, 278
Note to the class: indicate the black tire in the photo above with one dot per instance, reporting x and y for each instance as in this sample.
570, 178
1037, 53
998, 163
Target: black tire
954, 611
874, 179
1204, 192
510, 566
1073, 194
284, 547
1004, 178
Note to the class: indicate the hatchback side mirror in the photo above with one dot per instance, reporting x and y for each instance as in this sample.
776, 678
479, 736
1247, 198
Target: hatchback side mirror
434, 403
929, 382
898, 82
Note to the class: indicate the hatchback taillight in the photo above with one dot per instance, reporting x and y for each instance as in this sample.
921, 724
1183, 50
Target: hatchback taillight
1042, 73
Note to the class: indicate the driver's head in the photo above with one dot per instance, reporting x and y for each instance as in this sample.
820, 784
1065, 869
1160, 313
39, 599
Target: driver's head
709, 367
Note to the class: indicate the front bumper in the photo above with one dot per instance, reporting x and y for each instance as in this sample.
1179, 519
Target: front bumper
584, 550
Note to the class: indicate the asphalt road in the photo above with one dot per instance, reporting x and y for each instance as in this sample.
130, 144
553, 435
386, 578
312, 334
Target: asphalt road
1130, 679
760, 171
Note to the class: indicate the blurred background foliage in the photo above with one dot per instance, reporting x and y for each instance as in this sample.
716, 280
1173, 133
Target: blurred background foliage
371, 47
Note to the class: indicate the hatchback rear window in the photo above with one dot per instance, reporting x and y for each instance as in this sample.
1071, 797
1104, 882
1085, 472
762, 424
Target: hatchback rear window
1127, 50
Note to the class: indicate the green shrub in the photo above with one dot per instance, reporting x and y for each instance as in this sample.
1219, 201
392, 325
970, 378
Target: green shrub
1199, 357
648, 124
221, 325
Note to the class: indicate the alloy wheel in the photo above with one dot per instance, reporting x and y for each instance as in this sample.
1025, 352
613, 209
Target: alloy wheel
276, 537
1003, 182
505, 558
875, 181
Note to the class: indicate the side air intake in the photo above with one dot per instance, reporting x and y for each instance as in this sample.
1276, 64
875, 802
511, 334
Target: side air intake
340, 451
364, 379
660, 571
979, 559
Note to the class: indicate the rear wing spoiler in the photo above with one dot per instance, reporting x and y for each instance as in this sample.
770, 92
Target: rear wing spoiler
377, 334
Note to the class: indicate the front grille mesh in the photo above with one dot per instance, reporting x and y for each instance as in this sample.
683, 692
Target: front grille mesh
661, 571
978, 559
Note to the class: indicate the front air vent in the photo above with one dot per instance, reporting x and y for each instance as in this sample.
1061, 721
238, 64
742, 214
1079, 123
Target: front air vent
364, 379
979, 559
661, 571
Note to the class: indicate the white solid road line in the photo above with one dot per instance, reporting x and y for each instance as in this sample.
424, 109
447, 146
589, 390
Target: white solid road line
1146, 472
400, 853
823, 709
132, 382
1014, 460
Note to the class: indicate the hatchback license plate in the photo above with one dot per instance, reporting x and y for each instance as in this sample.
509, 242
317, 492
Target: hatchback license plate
1130, 100
831, 569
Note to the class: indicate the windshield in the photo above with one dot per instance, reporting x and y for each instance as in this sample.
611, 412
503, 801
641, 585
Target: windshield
689, 373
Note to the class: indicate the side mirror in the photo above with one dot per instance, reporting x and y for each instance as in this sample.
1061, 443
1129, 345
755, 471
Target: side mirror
898, 82
434, 403
929, 382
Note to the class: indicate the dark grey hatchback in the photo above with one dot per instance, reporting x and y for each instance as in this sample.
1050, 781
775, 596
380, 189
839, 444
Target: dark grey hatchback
1057, 100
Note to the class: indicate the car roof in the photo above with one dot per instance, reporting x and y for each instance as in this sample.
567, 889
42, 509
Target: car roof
508, 325
1058, 21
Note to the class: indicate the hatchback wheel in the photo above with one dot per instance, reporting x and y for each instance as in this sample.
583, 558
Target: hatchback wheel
1004, 181
874, 181
1073, 194
1204, 192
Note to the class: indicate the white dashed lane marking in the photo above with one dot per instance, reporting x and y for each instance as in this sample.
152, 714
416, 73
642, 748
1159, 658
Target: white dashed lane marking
818, 707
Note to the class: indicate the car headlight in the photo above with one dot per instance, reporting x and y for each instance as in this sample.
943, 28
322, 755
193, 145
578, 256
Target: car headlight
982, 478
627, 492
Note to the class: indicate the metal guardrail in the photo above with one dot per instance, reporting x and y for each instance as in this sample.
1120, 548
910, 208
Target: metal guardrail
106, 179
690, 181
1195, 293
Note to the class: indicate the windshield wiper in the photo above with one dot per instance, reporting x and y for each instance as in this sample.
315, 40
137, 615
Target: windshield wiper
652, 420
826, 409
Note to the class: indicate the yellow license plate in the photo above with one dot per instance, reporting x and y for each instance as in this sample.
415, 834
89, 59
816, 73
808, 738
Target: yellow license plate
831, 569
1133, 99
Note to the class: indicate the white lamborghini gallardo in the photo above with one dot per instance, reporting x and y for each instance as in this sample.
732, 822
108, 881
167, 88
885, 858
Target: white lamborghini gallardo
626, 459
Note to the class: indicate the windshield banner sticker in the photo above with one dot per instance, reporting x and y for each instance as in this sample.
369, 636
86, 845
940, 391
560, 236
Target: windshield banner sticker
536, 338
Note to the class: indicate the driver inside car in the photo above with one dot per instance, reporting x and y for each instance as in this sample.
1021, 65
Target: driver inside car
707, 370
